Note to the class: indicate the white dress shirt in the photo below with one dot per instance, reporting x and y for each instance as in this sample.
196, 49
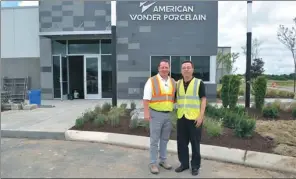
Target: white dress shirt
148, 87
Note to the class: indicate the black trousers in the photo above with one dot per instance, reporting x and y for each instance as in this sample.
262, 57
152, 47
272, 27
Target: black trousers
187, 131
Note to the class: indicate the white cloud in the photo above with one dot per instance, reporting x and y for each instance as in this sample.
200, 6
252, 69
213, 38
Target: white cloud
266, 18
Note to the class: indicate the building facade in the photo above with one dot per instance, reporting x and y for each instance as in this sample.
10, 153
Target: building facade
67, 45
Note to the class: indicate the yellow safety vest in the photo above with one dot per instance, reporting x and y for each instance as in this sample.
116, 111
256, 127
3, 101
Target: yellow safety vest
162, 100
188, 103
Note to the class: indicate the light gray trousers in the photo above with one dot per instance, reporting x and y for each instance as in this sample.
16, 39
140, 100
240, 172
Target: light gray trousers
160, 131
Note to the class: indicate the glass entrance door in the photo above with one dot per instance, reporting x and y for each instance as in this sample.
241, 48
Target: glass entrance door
60, 76
92, 77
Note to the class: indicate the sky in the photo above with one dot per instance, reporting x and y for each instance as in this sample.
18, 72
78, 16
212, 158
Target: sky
266, 18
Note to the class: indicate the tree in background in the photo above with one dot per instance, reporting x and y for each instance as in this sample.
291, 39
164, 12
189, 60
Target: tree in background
234, 56
288, 38
255, 48
257, 68
227, 60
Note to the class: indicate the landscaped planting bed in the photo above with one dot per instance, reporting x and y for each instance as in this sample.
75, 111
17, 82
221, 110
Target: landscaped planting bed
222, 127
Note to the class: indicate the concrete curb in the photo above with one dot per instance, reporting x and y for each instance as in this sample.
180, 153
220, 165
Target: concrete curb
32, 134
249, 158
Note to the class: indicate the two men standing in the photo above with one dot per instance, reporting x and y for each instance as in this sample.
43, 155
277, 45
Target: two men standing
160, 94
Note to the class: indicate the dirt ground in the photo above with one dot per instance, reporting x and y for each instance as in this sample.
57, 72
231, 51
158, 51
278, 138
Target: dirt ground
283, 132
227, 139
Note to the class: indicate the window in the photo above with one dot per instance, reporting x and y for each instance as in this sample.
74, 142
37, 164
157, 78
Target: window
106, 46
155, 60
84, 46
176, 63
201, 66
59, 47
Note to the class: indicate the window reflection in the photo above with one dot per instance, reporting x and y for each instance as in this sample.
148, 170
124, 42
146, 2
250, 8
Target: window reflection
155, 60
201, 67
176, 64
84, 46
106, 46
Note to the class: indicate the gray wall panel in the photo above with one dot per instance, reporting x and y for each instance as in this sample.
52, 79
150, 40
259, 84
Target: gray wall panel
20, 68
46, 77
139, 40
74, 15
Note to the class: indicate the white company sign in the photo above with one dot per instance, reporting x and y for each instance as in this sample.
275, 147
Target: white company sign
169, 13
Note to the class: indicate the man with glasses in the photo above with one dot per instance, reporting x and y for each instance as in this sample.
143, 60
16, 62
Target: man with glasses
158, 101
191, 104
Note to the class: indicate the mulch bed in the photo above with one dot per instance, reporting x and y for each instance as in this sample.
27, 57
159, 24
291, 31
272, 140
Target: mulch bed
228, 139
256, 113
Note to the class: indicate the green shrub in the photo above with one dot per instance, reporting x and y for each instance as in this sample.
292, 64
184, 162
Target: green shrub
213, 127
214, 111
98, 109
134, 123
123, 106
240, 110
145, 124
225, 90
259, 87
89, 115
106, 108
270, 112
133, 105
294, 113
79, 123
245, 127
235, 82
100, 120
230, 90
114, 120
276, 104
271, 93
117, 111
230, 118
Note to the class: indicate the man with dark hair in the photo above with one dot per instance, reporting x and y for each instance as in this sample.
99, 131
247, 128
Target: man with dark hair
191, 104
158, 101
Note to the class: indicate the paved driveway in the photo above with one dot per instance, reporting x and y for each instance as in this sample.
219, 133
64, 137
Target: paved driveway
49, 158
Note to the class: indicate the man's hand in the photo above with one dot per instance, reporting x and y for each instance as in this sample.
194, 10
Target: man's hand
198, 121
147, 116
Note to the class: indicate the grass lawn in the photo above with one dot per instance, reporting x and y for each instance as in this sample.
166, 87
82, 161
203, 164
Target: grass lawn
289, 83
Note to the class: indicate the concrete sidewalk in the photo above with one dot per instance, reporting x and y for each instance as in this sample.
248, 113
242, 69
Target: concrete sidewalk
53, 158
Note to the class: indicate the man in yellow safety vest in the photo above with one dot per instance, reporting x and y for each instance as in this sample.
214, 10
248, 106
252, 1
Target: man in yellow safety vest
191, 104
158, 101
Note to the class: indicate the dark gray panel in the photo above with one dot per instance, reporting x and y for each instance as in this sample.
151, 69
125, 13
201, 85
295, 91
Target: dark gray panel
70, 15
45, 69
46, 90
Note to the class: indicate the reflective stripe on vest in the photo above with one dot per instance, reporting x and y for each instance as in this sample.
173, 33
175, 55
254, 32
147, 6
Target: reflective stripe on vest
194, 97
157, 96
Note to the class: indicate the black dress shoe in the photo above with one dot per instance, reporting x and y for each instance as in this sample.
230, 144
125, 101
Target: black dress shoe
181, 169
195, 171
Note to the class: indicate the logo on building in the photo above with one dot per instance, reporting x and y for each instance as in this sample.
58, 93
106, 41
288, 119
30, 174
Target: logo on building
145, 5
150, 11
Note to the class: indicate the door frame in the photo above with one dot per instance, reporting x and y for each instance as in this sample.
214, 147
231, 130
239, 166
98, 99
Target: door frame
62, 97
92, 96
